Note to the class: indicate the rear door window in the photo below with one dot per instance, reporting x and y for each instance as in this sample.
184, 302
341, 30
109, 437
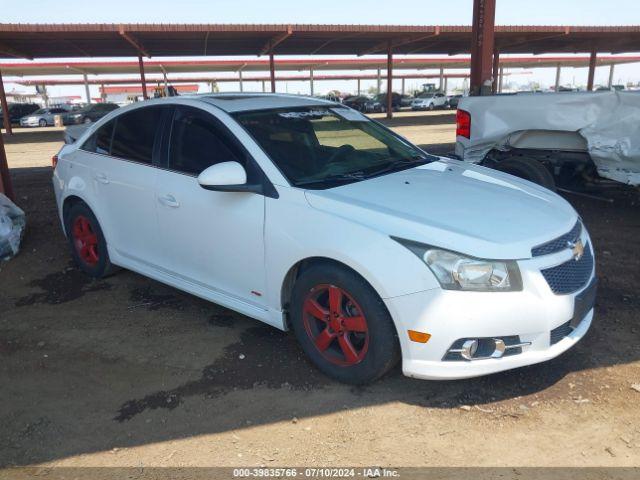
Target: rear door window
100, 141
135, 133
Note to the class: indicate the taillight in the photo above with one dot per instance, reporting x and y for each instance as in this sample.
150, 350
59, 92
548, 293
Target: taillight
463, 123
54, 161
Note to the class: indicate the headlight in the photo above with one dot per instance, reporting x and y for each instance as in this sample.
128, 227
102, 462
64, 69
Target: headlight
455, 271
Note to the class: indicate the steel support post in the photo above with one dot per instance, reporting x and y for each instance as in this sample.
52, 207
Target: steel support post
482, 45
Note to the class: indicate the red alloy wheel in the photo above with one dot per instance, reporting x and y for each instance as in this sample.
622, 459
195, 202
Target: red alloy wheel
85, 240
336, 325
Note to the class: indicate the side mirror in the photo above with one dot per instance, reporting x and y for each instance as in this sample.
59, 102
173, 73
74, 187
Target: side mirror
224, 177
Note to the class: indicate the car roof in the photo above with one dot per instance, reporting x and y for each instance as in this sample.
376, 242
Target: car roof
239, 102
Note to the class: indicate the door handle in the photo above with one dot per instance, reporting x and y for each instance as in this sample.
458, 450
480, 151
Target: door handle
102, 178
169, 201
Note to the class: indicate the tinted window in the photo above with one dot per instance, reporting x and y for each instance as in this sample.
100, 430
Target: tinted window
197, 142
135, 133
103, 138
100, 142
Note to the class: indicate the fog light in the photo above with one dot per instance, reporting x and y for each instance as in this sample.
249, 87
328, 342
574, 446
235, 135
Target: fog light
484, 348
469, 349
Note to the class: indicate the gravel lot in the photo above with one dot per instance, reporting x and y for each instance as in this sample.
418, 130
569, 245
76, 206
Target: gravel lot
129, 372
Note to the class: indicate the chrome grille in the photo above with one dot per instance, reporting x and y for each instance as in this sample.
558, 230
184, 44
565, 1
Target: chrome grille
571, 275
558, 244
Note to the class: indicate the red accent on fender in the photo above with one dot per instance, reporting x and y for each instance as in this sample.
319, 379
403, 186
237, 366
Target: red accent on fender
54, 161
336, 325
463, 123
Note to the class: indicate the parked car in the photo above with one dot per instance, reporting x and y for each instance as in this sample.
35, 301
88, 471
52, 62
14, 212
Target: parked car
452, 101
89, 113
396, 101
309, 216
17, 111
429, 101
555, 144
374, 105
42, 118
405, 100
357, 102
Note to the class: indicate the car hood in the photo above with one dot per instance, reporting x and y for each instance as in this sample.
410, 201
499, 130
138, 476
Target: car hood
454, 205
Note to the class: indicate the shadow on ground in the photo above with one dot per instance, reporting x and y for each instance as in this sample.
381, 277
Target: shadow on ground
91, 365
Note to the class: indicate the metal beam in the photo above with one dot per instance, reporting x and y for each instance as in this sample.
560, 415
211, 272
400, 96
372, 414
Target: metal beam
389, 81
501, 79
611, 70
135, 43
275, 41
482, 44
5, 108
272, 72
12, 52
495, 71
441, 79
5, 179
311, 81
558, 73
86, 88
143, 81
6, 186
592, 69
382, 46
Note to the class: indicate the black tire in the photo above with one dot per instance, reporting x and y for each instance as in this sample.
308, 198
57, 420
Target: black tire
431, 107
528, 169
42, 122
382, 350
102, 266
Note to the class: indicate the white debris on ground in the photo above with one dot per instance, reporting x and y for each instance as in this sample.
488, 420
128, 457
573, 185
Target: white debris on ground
12, 224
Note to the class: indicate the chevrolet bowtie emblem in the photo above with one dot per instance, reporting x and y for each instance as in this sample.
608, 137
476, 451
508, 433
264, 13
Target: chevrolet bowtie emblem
577, 249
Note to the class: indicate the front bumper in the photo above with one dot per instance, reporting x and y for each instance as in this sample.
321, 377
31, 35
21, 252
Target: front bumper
452, 315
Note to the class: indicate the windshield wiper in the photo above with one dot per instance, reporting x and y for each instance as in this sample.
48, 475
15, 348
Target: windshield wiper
398, 164
343, 177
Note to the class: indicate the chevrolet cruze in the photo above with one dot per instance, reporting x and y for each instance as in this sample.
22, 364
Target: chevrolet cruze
309, 216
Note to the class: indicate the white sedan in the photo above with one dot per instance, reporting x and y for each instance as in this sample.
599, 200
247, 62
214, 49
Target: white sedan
307, 215
429, 101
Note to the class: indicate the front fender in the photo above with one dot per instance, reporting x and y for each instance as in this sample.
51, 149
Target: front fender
390, 268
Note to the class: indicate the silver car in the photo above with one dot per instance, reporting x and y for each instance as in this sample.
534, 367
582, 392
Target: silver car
42, 118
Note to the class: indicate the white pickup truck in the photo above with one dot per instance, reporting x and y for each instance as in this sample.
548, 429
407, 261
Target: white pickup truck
553, 139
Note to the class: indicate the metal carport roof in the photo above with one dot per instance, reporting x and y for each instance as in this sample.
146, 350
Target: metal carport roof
156, 40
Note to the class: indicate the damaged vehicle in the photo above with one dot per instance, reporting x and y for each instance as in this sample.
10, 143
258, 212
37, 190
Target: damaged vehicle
12, 225
557, 140
309, 216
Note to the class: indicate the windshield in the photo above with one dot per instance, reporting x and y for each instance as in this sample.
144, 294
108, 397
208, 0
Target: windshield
323, 147
41, 111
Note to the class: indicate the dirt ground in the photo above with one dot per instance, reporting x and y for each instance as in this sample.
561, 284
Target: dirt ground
129, 372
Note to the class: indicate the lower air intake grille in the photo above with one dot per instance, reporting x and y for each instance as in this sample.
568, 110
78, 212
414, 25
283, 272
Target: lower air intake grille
560, 332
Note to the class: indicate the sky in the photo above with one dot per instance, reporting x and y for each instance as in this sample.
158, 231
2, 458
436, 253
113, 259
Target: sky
398, 12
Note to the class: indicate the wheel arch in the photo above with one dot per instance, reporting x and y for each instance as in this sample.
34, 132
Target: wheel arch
73, 199
300, 266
